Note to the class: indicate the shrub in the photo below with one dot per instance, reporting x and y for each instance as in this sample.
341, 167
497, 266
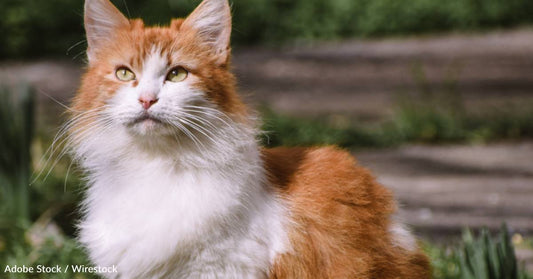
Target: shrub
34, 28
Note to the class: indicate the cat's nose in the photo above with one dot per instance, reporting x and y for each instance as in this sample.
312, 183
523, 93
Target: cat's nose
147, 102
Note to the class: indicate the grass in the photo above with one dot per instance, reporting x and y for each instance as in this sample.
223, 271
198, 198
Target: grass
412, 122
424, 116
285, 130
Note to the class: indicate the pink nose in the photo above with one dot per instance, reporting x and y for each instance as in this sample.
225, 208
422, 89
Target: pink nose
147, 102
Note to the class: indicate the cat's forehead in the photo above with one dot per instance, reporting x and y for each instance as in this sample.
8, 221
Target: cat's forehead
139, 44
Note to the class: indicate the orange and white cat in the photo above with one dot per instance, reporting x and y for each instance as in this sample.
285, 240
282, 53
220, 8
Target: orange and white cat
178, 186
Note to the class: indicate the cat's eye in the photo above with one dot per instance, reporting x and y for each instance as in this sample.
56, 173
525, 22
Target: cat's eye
124, 74
177, 74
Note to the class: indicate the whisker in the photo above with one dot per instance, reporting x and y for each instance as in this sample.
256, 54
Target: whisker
66, 177
41, 91
64, 151
190, 135
65, 143
73, 46
198, 128
214, 115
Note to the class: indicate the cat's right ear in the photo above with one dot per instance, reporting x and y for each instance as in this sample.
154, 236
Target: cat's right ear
101, 20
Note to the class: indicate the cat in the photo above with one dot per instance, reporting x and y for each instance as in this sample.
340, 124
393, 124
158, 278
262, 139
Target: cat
178, 186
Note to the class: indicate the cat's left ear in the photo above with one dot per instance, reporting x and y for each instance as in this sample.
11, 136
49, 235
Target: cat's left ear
211, 23
102, 20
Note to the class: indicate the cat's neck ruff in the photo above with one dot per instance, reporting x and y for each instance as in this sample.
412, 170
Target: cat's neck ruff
181, 214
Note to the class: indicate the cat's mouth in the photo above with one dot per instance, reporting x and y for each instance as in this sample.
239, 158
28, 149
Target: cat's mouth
146, 118
147, 124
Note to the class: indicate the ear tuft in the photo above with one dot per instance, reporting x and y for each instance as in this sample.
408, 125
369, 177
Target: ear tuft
102, 19
211, 21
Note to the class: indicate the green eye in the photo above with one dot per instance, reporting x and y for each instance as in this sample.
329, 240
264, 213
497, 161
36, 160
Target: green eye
124, 74
177, 74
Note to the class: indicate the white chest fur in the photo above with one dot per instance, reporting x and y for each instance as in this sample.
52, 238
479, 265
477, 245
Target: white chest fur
154, 220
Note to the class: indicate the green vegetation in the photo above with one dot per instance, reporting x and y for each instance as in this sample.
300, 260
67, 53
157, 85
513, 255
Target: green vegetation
483, 258
480, 257
31, 216
15, 159
423, 116
412, 122
32, 28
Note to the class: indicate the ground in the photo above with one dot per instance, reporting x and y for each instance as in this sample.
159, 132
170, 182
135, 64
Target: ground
441, 188
445, 188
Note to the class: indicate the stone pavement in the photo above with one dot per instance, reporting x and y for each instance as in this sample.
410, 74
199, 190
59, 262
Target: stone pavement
442, 189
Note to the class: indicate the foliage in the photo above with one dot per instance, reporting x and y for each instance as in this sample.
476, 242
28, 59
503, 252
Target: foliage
282, 130
21, 248
425, 115
480, 257
444, 261
16, 116
31, 28
412, 122
24, 238
484, 258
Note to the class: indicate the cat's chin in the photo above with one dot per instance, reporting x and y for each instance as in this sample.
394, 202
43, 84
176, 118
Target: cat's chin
149, 126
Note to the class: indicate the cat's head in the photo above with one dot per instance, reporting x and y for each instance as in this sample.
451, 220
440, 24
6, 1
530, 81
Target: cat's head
158, 81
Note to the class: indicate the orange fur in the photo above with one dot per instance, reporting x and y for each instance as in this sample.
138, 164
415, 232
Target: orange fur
340, 219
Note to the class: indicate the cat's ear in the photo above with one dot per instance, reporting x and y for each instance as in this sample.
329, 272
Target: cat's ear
211, 23
102, 19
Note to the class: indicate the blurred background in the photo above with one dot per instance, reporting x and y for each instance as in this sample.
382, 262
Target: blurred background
435, 97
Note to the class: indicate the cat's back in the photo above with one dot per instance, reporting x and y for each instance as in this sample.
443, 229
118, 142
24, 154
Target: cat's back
341, 219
